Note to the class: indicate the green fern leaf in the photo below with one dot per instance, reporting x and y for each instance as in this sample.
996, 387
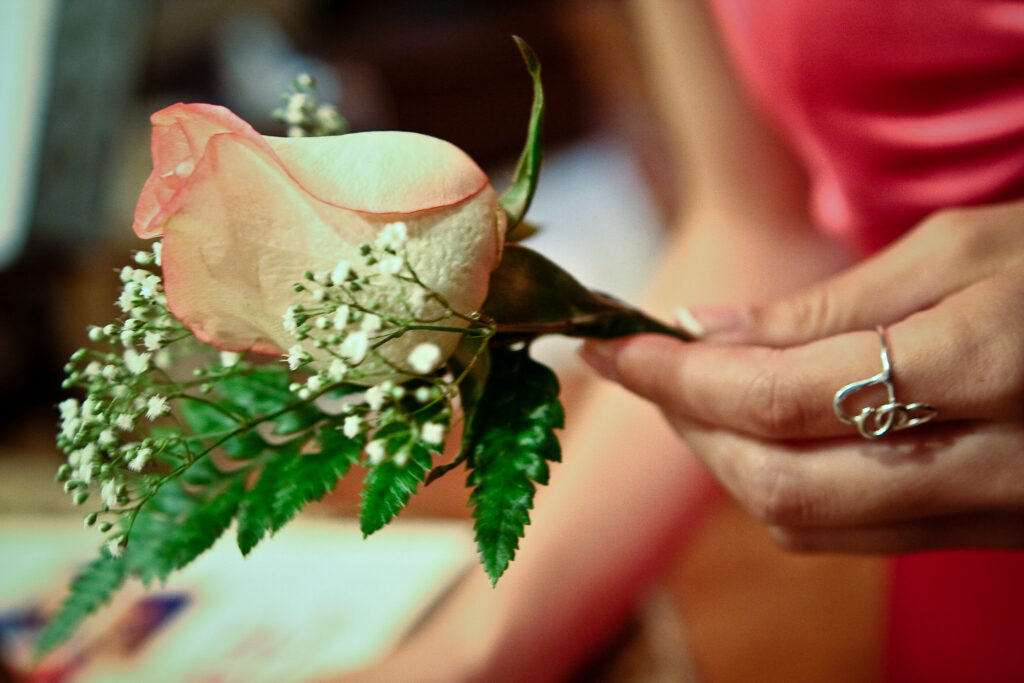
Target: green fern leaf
90, 590
290, 480
177, 526
387, 488
512, 439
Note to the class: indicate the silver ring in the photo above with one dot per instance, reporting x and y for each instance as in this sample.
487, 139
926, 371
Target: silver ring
876, 421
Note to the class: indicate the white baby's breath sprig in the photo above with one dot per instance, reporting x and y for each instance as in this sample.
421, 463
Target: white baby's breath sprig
127, 389
303, 113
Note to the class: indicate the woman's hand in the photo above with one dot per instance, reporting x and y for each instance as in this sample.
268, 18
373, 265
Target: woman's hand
755, 401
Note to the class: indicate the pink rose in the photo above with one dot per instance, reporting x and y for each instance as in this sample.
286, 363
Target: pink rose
242, 216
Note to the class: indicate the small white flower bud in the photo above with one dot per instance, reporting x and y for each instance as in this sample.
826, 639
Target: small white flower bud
352, 426
355, 347
424, 358
371, 323
432, 433
156, 406
391, 265
375, 397
337, 371
296, 356
153, 341
341, 317
137, 363
375, 451
229, 359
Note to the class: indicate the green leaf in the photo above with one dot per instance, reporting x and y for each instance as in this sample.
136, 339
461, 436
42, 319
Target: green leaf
262, 390
292, 479
265, 391
90, 590
177, 526
512, 441
387, 487
517, 197
207, 419
530, 296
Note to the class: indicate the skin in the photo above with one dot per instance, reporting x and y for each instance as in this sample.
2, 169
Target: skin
757, 407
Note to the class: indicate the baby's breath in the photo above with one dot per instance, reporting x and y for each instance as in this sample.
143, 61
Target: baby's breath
303, 113
126, 389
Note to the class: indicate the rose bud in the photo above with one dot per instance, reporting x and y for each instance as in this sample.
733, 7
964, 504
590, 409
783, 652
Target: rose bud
243, 216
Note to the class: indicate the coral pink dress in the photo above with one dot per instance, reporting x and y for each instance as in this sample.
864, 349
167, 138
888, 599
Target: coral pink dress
898, 108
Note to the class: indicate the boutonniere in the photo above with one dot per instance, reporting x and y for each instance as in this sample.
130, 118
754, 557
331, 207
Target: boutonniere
312, 305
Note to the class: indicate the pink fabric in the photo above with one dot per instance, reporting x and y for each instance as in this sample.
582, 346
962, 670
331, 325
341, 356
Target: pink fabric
896, 107
899, 108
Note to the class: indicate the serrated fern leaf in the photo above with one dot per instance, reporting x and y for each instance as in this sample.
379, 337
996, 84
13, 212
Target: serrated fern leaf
195, 532
177, 526
90, 590
387, 488
290, 480
512, 440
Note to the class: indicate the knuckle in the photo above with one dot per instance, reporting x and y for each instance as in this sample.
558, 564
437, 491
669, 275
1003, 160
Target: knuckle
773, 405
778, 494
812, 313
792, 540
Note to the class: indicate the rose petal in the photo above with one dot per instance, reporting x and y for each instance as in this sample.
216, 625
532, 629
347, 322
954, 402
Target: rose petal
180, 136
381, 172
243, 230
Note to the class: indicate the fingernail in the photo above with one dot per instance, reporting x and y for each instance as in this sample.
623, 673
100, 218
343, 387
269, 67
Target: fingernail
688, 321
599, 356
707, 321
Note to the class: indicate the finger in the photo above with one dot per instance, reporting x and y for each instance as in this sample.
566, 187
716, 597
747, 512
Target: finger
950, 251
962, 357
982, 530
842, 483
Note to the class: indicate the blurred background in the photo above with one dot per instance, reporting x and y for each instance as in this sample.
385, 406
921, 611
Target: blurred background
81, 77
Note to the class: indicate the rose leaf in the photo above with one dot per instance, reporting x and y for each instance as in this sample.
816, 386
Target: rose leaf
530, 296
517, 197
